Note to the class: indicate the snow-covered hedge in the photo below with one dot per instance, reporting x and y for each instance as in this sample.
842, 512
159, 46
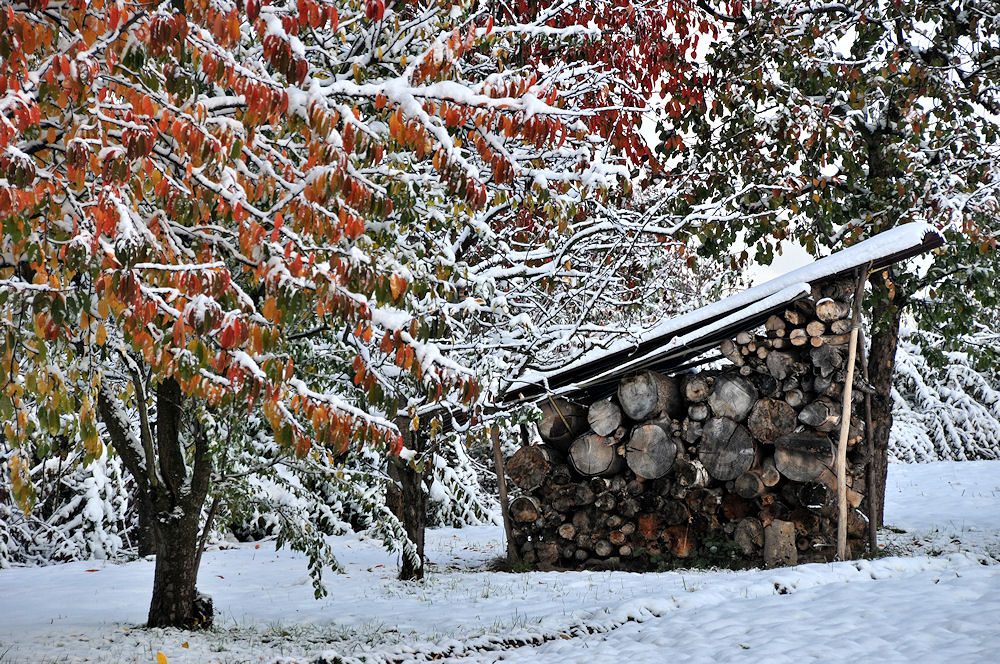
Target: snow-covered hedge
948, 412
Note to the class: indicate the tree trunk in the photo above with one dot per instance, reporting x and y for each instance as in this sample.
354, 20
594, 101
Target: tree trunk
881, 365
174, 593
414, 501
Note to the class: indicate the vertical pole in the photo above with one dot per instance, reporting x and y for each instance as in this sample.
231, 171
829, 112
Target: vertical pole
870, 441
845, 418
512, 554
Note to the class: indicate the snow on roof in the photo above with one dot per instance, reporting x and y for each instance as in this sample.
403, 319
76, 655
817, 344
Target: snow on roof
668, 337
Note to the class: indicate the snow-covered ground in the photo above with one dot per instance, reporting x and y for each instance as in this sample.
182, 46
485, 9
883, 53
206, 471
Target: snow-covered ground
936, 600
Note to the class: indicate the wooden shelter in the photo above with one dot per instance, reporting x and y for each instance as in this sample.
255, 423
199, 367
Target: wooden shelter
646, 461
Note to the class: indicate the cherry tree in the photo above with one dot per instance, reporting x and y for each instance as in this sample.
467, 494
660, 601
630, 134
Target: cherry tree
191, 188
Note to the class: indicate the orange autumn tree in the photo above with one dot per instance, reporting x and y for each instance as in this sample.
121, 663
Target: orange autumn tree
187, 186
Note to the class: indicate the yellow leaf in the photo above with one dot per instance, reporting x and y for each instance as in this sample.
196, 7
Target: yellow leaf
103, 309
102, 334
185, 645
161, 658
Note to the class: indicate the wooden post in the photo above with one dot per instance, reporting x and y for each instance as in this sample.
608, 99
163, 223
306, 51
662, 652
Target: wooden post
845, 418
512, 554
870, 441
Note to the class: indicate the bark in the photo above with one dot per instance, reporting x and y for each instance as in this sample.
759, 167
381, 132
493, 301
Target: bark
881, 365
413, 501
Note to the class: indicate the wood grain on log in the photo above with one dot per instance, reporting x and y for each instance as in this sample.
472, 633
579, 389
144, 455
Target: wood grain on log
732, 396
798, 337
815, 328
697, 387
822, 415
648, 393
530, 465
726, 448
806, 440
749, 535
561, 422
698, 412
779, 544
604, 417
525, 509
827, 359
828, 310
780, 365
795, 397
800, 465
774, 324
690, 472
743, 338
749, 485
795, 317
768, 473
649, 451
567, 531
842, 326
591, 454
681, 540
771, 419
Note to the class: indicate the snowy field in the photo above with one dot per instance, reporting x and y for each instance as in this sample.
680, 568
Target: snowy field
936, 599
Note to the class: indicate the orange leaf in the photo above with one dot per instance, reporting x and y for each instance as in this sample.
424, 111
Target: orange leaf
397, 285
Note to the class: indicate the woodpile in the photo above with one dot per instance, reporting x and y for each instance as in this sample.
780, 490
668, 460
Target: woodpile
674, 464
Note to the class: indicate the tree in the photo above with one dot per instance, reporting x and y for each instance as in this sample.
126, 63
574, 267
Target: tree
828, 123
186, 194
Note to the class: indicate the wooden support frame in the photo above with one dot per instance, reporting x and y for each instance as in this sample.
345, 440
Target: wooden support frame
512, 554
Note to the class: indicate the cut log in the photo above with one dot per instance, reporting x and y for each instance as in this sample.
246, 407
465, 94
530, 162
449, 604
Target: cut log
775, 324
771, 419
726, 449
732, 397
822, 415
698, 412
780, 365
799, 465
749, 485
795, 397
525, 509
765, 384
547, 553
603, 548
815, 328
530, 465
650, 452
818, 498
675, 512
827, 359
645, 394
604, 417
795, 317
690, 472
798, 337
649, 526
681, 540
749, 536
567, 531
605, 501
830, 310
731, 352
768, 473
591, 454
806, 440
697, 387
842, 326
744, 338
561, 422
691, 431
779, 544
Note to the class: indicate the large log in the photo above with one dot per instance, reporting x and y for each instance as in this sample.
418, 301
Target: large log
604, 417
771, 419
732, 396
800, 465
650, 452
531, 464
591, 454
726, 448
561, 422
648, 393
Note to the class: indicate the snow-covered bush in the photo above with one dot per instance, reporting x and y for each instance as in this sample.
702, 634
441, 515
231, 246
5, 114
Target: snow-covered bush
81, 511
948, 409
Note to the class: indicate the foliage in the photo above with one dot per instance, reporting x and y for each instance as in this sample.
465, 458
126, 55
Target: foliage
945, 408
827, 124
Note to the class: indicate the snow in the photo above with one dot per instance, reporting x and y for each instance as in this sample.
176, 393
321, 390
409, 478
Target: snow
887, 243
936, 600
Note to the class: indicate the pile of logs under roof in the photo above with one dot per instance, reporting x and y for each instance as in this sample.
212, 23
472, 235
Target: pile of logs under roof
672, 465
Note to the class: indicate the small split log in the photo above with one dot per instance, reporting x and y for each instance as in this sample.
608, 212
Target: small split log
822, 415
779, 544
842, 326
591, 454
780, 365
731, 352
795, 397
604, 417
690, 473
749, 535
826, 358
800, 465
749, 485
698, 412
776, 325
768, 473
726, 448
697, 388
650, 452
798, 337
815, 328
525, 509
828, 310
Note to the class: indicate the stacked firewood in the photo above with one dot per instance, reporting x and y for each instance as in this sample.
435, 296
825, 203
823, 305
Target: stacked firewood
670, 465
